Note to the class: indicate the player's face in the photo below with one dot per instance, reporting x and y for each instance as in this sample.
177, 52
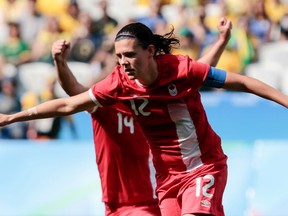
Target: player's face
133, 58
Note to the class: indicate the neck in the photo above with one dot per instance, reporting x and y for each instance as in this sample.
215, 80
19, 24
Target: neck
151, 74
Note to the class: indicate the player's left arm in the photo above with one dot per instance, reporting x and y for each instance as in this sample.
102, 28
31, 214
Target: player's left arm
214, 53
218, 78
242, 83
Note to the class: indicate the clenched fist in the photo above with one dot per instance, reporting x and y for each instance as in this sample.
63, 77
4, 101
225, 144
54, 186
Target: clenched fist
60, 50
224, 27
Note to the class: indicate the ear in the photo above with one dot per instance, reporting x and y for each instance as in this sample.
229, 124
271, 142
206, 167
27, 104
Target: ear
151, 50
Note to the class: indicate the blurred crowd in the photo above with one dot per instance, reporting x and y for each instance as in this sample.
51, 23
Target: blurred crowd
258, 46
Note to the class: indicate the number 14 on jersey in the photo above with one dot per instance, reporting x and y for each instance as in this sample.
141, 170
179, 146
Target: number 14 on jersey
125, 121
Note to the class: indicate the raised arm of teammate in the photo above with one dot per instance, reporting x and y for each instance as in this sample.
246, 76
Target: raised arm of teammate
60, 51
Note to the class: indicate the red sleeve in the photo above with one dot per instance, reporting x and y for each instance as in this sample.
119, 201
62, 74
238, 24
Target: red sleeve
197, 73
106, 92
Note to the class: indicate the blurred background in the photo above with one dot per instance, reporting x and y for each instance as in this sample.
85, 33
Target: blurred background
47, 167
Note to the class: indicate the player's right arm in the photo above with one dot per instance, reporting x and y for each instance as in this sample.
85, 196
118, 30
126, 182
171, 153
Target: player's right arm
60, 51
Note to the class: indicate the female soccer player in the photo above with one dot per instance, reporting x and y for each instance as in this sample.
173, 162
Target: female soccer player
123, 166
162, 91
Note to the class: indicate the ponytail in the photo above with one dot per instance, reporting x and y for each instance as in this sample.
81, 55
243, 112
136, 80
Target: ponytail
162, 43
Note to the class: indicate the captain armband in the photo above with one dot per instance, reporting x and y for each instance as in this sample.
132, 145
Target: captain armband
32, 111
215, 78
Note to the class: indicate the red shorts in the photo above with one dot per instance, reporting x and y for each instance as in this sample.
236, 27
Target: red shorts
199, 191
150, 208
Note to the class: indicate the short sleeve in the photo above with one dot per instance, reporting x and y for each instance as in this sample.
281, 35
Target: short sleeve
105, 92
197, 73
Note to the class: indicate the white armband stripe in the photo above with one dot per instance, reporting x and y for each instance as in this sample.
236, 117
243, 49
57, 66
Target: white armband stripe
94, 99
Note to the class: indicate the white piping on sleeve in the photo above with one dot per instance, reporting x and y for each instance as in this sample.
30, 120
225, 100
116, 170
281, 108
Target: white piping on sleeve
94, 99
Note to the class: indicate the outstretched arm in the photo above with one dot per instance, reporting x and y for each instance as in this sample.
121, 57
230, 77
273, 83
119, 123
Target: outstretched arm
52, 108
237, 82
213, 55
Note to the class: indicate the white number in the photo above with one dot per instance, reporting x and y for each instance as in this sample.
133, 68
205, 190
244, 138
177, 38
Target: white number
141, 107
126, 121
205, 187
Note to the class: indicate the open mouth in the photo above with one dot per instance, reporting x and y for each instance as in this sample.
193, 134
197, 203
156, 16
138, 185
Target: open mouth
130, 72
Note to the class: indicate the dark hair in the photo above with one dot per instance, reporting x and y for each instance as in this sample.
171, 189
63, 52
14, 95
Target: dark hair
144, 35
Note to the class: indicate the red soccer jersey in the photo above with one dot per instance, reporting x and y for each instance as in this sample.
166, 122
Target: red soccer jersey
122, 155
169, 111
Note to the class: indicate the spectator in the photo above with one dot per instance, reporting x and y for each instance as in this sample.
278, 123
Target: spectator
12, 10
154, 17
10, 103
259, 24
69, 21
103, 26
31, 22
204, 36
275, 9
84, 40
45, 38
14, 51
52, 8
188, 45
272, 64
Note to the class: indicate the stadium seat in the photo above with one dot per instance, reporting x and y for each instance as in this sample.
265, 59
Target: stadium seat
284, 81
269, 72
276, 52
35, 76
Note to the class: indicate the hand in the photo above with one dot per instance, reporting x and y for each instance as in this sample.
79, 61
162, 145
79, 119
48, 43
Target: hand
3, 120
224, 27
60, 50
